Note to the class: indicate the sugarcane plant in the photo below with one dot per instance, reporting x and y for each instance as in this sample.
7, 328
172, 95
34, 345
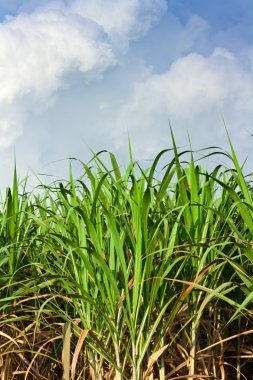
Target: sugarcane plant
135, 273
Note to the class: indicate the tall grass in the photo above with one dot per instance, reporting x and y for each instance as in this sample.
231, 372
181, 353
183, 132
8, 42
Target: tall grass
129, 275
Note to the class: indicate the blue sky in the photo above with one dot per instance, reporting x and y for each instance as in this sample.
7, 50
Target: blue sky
85, 73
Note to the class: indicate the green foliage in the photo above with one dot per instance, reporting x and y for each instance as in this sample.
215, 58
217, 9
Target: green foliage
138, 274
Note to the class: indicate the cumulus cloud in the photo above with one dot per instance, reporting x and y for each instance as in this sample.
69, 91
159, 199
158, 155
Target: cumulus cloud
123, 20
39, 47
36, 51
194, 94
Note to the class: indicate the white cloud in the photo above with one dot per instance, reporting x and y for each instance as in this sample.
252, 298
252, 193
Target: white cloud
122, 20
194, 94
36, 50
39, 48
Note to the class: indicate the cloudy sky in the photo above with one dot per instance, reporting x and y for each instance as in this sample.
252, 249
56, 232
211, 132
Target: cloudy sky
79, 73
